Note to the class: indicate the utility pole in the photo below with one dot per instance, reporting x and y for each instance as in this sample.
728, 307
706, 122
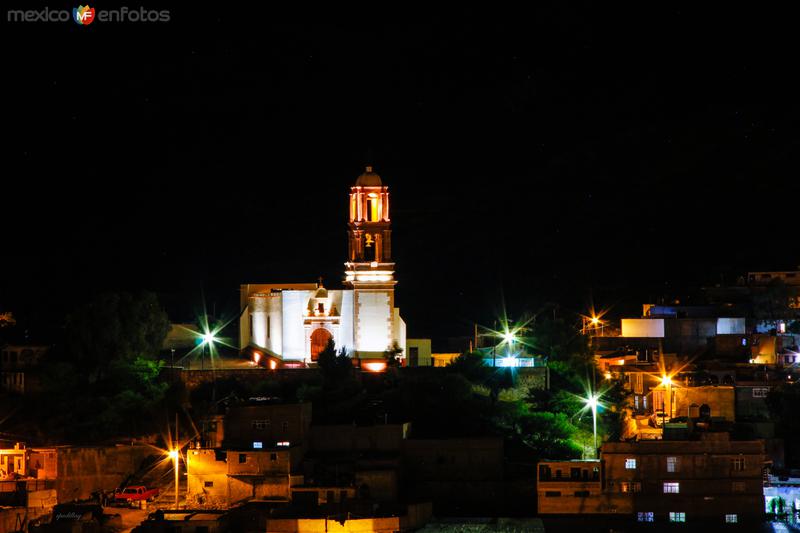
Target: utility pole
177, 460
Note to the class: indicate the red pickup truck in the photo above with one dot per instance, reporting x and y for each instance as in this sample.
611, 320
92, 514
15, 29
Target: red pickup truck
135, 493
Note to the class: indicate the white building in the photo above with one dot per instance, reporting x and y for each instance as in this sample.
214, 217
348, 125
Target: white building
294, 322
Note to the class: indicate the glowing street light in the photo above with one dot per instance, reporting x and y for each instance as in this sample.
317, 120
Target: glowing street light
592, 402
509, 338
666, 381
175, 456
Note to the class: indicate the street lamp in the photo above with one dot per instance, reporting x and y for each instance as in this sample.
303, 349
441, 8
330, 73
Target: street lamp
175, 456
591, 402
208, 339
666, 381
509, 338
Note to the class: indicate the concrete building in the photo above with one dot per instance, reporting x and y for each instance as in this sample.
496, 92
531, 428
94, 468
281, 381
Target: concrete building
18, 368
222, 478
418, 352
444, 359
294, 322
576, 487
264, 424
712, 479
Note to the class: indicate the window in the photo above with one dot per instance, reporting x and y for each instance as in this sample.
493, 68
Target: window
285, 426
672, 464
646, 516
208, 484
630, 486
257, 445
273, 457
269, 326
737, 486
552, 494
242, 458
372, 210
638, 383
630, 464
677, 517
575, 474
737, 464
760, 392
672, 487
731, 518
259, 425
581, 493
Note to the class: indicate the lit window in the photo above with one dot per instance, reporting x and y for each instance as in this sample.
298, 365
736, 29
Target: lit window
760, 392
731, 518
645, 516
677, 517
737, 464
630, 486
630, 464
672, 464
672, 487
372, 210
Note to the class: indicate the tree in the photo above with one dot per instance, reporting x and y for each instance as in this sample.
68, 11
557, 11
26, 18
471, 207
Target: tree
549, 435
7, 319
115, 326
393, 354
335, 365
772, 304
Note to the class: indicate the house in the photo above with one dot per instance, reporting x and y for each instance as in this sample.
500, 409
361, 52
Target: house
18, 368
708, 479
221, 478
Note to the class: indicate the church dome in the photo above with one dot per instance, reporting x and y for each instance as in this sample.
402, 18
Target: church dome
322, 292
369, 179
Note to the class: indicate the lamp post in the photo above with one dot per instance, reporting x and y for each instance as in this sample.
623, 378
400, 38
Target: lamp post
591, 401
208, 339
667, 382
175, 456
509, 338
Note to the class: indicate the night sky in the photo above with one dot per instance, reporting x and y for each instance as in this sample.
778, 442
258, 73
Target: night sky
566, 154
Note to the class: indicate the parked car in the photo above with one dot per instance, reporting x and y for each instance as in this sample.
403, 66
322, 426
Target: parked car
135, 493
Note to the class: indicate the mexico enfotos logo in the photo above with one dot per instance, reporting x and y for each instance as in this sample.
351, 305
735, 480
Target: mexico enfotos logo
85, 15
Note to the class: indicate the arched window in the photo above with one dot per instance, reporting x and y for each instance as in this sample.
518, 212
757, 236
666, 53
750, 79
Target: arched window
372, 207
319, 340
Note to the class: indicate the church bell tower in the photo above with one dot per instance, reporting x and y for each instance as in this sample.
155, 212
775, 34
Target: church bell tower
369, 262
369, 270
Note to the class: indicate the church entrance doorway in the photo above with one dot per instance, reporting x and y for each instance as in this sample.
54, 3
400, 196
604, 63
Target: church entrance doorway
319, 339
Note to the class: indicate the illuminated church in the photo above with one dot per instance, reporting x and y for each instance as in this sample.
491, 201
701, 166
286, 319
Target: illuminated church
294, 322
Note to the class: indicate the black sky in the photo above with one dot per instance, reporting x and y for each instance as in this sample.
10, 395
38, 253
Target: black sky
540, 156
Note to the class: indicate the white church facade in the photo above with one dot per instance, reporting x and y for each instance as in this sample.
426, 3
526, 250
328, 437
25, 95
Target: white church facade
294, 322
